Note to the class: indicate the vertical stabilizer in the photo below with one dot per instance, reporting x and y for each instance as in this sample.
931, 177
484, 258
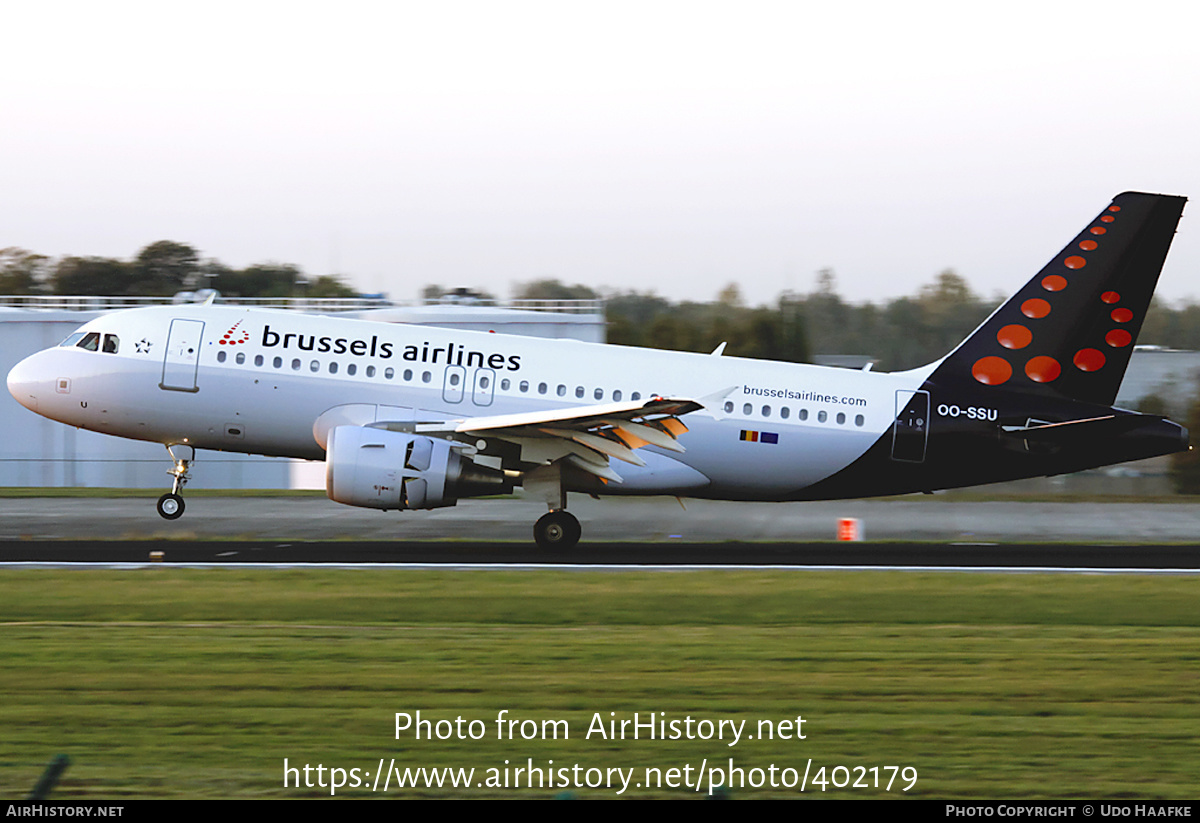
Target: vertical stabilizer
1070, 331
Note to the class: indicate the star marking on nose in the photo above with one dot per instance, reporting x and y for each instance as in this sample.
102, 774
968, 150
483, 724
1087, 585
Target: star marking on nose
142, 346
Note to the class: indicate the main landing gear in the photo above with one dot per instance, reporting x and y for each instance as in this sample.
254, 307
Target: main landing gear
557, 529
170, 505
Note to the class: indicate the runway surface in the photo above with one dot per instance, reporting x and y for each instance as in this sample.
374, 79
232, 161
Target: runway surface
917, 519
680, 555
916, 532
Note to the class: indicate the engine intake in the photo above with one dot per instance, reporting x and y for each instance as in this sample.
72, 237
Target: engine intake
382, 469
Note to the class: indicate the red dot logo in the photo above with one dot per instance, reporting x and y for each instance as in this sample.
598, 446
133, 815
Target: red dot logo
1118, 338
1014, 337
991, 371
1088, 245
1121, 315
1089, 360
1054, 282
1110, 297
1043, 369
1035, 308
1075, 262
1097, 230
229, 338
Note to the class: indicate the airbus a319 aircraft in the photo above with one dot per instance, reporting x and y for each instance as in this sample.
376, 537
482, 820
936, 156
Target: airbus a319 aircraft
409, 417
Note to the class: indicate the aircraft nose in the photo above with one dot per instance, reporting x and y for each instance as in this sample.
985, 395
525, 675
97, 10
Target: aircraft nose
22, 383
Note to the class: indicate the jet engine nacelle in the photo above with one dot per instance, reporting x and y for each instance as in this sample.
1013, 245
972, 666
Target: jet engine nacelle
382, 469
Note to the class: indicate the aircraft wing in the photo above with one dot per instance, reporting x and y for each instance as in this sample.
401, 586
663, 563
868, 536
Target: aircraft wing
585, 436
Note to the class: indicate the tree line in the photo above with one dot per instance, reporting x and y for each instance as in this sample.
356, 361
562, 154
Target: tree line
160, 269
899, 334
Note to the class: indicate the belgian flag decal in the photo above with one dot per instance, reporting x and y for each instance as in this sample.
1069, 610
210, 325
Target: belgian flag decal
760, 437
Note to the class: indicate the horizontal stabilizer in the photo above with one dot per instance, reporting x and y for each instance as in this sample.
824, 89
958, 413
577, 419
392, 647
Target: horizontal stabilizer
1089, 430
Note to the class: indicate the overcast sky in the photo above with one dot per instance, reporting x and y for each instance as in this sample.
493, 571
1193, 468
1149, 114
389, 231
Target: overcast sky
659, 146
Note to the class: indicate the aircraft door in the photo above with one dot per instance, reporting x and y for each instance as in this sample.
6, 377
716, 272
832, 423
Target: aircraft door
454, 384
182, 356
910, 432
485, 387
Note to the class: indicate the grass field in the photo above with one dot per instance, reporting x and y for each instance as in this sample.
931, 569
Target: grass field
199, 683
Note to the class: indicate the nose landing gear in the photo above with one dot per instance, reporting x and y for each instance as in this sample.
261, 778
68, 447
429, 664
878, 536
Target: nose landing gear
170, 505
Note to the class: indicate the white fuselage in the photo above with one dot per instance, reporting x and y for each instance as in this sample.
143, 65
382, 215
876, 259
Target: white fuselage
255, 381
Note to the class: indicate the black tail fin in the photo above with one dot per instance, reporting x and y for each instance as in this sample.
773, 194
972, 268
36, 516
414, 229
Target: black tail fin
1070, 331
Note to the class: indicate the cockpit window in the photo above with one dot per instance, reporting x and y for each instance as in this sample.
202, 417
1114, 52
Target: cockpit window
91, 342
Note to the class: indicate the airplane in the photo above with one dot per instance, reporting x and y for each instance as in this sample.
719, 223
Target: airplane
413, 417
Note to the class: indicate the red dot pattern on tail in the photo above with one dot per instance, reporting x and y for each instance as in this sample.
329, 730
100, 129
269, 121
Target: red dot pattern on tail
995, 370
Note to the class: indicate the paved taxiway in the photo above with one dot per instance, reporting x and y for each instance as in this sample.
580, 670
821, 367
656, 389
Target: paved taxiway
838, 555
643, 520
921, 532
